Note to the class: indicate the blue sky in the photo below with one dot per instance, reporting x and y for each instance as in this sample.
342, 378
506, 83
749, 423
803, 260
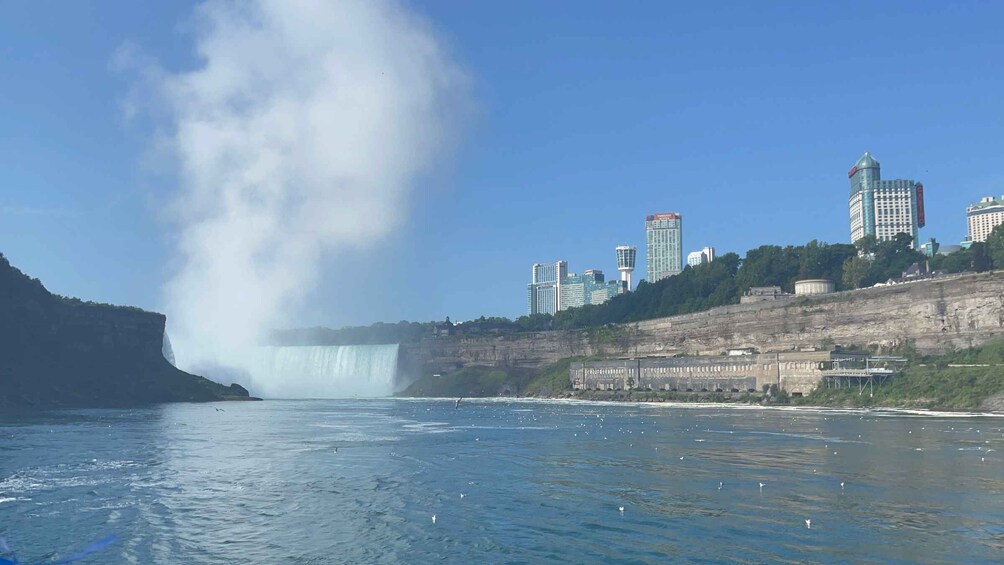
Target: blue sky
742, 116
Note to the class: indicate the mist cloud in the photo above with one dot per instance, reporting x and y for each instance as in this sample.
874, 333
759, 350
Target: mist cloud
301, 131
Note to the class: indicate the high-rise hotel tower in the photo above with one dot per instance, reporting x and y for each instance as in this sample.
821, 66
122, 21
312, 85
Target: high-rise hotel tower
663, 245
543, 294
883, 208
983, 217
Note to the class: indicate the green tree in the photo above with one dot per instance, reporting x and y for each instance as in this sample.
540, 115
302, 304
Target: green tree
974, 259
890, 258
995, 247
855, 272
980, 258
867, 244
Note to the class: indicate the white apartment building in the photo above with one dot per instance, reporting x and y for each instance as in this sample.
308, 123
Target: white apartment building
705, 255
984, 216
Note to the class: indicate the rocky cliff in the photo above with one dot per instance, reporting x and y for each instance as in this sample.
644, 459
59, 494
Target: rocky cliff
56, 351
933, 316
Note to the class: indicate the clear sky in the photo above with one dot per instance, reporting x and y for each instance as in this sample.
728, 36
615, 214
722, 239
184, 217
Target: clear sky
742, 116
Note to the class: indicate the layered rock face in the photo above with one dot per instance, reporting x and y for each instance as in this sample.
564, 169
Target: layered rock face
56, 351
934, 316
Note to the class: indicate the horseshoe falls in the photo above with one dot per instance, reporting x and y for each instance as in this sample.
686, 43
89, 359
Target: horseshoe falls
324, 371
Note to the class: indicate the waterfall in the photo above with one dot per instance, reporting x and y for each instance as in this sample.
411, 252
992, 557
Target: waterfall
324, 371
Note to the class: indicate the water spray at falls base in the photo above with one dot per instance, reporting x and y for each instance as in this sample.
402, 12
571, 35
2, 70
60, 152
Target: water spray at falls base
324, 371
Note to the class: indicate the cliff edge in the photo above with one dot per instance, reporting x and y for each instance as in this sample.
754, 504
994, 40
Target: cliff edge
62, 352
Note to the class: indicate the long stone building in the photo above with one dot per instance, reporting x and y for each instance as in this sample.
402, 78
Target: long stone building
797, 373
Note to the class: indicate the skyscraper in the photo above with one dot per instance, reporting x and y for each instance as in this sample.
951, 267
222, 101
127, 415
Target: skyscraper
883, 208
543, 294
663, 245
983, 217
626, 255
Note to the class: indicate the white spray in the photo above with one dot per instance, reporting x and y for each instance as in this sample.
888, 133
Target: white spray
300, 132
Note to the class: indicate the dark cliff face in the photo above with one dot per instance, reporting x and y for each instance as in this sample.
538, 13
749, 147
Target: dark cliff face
56, 351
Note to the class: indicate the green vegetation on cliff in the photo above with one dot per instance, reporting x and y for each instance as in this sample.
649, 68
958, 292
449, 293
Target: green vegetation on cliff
57, 351
724, 280
696, 289
553, 381
964, 380
926, 387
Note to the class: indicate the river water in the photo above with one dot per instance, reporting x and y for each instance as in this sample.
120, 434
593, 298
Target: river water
359, 481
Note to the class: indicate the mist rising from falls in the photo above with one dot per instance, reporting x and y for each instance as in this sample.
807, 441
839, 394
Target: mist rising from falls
324, 371
293, 126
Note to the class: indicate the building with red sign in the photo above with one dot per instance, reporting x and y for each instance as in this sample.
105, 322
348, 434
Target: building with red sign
883, 208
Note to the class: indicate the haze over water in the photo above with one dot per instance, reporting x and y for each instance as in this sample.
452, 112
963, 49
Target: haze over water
542, 482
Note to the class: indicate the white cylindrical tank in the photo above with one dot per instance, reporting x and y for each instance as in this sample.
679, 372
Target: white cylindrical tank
814, 286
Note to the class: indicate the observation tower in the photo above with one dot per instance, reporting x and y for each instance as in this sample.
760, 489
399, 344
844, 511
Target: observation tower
626, 255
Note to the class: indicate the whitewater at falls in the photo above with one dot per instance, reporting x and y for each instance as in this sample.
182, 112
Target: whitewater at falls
324, 371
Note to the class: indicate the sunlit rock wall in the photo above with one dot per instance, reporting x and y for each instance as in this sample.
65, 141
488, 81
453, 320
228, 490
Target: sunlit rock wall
933, 316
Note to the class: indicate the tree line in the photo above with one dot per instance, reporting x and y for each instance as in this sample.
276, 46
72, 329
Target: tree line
719, 283
727, 278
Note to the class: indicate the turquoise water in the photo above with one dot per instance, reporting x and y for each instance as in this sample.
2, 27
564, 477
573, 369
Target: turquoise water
541, 483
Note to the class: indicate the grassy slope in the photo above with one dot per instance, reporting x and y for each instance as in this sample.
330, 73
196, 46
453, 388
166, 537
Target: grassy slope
553, 381
931, 387
931, 382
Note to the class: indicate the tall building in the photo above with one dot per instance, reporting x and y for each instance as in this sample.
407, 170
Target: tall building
552, 288
983, 217
663, 245
588, 288
626, 255
883, 208
543, 294
705, 255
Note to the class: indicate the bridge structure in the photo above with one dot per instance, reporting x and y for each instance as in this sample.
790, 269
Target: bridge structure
862, 372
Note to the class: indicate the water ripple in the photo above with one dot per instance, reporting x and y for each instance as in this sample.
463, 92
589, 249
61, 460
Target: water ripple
359, 481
